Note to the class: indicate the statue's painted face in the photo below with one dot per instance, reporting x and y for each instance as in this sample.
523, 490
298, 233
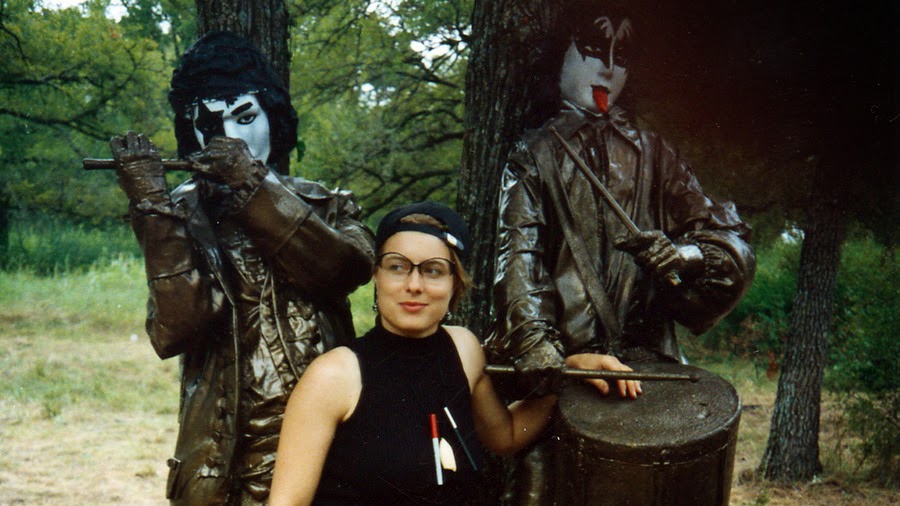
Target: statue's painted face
239, 117
593, 73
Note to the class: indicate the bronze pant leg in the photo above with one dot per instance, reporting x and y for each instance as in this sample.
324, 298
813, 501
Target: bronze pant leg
533, 476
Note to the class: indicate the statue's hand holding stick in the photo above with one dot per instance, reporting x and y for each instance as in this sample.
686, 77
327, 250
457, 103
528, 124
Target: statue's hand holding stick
651, 247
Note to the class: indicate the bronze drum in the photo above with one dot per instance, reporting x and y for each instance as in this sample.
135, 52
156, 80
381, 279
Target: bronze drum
674, 445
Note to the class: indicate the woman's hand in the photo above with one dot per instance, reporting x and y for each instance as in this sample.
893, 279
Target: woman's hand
597, 362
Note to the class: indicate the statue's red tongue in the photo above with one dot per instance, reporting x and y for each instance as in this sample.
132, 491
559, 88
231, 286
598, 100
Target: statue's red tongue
601, 99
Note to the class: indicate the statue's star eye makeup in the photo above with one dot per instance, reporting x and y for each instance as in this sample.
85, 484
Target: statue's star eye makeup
238, 117
209, 123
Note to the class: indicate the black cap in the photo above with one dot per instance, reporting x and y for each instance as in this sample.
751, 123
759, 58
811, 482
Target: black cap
455, 233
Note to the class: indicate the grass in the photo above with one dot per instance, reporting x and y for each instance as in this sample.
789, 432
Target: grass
80, 388
75, 305
361, 302
43, 243
75, 341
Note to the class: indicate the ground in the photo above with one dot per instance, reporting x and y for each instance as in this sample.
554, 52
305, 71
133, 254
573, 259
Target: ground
72, 453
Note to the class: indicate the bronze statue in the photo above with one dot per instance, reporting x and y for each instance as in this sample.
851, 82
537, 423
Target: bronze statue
573, 275
248, 270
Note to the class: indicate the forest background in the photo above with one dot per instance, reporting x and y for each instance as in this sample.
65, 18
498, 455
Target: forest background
380, 90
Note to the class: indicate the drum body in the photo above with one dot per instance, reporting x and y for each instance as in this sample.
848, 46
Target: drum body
674, 445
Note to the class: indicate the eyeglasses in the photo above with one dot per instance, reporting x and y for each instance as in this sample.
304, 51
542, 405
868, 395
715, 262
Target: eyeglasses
398, 267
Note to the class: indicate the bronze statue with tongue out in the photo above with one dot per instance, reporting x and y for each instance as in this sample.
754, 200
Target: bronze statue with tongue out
571, 276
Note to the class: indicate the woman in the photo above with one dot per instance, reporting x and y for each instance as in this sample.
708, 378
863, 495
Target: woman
399, 416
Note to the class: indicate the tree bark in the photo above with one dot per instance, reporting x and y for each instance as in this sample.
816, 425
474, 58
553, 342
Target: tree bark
503, 77
792, 452
264, 22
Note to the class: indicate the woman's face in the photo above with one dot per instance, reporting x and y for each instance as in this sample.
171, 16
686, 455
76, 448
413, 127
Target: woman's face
412, 302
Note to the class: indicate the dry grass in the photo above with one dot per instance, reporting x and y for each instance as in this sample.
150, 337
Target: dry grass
840, 483
88, 412
83, 444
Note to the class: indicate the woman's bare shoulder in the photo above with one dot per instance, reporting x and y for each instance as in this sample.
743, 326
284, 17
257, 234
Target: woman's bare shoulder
462, 336
334, 366
470, 352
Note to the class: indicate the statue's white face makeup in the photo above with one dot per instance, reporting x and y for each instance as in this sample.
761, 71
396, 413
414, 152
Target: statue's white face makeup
240, 117
593, 75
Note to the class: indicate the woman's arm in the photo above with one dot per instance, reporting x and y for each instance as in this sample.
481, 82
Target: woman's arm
325, 396
502, 429
507, 429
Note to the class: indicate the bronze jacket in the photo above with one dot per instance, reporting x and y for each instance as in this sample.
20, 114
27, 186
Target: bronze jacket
539, 296
247, 286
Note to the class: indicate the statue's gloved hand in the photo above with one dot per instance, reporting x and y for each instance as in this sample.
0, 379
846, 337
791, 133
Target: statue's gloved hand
228, 160
139, 168
656, 253
540, 369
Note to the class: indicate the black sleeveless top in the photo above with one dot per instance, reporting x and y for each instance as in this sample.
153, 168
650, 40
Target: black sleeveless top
383, 453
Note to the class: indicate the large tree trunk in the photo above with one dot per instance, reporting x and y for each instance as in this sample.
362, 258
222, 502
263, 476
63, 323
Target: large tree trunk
792, 452
502, 79
264, 22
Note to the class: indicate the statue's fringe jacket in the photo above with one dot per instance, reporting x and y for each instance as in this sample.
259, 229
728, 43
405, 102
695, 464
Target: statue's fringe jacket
539, 293
248, 286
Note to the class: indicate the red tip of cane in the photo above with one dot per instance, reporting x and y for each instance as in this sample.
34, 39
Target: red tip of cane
432, 418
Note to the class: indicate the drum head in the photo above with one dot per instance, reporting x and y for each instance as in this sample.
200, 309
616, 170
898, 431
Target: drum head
672, 421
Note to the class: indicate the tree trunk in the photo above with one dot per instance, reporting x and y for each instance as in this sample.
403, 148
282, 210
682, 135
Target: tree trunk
792, 452
502, 79
264, 22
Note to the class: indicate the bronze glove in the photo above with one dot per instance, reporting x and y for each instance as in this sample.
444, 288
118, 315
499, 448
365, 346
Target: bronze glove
228, 160
139, 168
540, 369
656, 253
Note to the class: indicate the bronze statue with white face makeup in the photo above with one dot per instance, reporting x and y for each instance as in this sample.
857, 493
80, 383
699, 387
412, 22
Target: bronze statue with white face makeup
572, 276
248, 270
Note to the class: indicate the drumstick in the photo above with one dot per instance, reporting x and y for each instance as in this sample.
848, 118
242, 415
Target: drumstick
672, 277
109, 164
604, 375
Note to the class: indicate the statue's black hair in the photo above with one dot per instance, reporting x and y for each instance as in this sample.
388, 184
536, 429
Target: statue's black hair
222, 65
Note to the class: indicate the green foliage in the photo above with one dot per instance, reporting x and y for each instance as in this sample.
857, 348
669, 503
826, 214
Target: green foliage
46, 244
361, 303
757, 325
874, 420
71, 79
865, 349
865, 354
865, 319
379, 88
